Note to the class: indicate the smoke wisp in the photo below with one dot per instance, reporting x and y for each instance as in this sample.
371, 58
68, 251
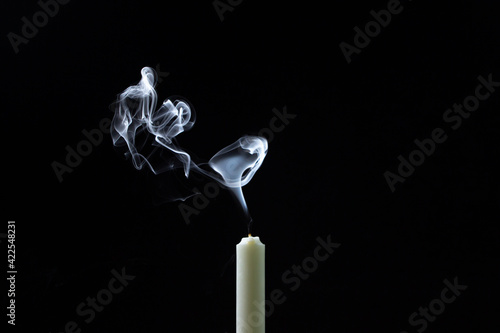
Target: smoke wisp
137, 116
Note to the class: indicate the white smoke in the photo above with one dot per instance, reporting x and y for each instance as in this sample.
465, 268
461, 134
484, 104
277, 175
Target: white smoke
237, 163
136, 112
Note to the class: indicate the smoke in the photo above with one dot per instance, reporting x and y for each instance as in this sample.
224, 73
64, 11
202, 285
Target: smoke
237, 163
136, 119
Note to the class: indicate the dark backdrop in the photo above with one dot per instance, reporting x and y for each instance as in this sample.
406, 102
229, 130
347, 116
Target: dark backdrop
324, 175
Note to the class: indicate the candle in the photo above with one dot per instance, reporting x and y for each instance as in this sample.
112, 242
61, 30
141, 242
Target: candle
250, 285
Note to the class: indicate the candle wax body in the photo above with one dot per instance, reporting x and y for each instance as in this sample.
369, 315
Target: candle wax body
250, 286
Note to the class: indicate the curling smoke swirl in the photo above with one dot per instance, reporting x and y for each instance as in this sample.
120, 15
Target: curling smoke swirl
136, 112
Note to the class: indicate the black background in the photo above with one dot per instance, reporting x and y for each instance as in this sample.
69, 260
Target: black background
323, 175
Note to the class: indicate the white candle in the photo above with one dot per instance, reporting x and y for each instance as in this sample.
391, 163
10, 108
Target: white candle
250, 285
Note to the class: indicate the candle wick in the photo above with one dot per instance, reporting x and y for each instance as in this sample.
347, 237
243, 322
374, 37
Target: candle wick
249, 227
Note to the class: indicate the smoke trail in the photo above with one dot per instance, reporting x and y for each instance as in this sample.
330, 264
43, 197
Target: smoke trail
237, 163
136, 113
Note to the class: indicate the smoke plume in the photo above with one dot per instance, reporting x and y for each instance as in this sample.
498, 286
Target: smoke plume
137, 119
